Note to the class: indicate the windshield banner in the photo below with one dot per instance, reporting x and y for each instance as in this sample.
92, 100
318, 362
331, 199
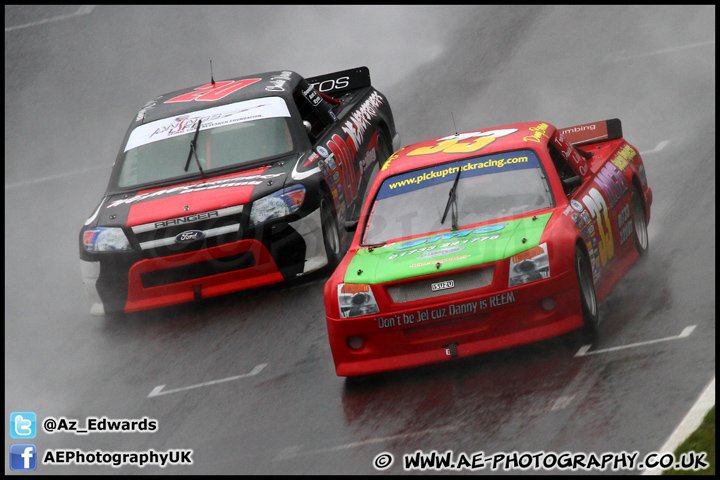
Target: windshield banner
224, 115
496, 163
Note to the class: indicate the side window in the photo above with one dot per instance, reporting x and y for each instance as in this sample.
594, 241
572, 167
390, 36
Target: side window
313, 109
561, 165
307, 112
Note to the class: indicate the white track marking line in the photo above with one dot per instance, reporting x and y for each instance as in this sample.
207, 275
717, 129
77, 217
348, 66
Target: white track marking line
157, 391
82, 10
584, 349
689, 424
294, 451
618, 56
659, 147
561, 402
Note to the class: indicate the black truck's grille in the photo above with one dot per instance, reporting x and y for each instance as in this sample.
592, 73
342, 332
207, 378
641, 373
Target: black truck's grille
212, 228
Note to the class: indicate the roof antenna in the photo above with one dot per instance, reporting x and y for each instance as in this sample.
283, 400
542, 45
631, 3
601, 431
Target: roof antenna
453, 119
212, 79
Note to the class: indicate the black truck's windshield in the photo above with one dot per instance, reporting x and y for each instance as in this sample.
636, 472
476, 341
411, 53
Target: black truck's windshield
234, 134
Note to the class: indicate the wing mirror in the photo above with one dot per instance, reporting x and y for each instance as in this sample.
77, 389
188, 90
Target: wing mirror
572, 182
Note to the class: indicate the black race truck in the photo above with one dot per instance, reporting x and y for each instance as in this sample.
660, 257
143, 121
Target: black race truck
232, 185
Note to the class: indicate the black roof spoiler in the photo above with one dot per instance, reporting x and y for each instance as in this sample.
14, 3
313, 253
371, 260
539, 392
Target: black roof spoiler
593, 132
337, 83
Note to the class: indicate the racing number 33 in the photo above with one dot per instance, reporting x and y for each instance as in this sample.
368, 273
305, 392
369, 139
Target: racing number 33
452, 143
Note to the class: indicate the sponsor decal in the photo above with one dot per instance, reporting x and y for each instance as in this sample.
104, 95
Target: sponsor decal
344, 154
323, 151
586, 216
438, 261
475, 307
624, 157
416, 179
624, 224
592, 247
330, 162
214, 91
537, 133
148, 106
313, 96
576, 160
268, 107
578, 219
197, 187
484, 244
576, 205
458, 144
331, 84
189, 236
612, 182
436, 287
277, 82
598, 208
458, 234
361, 118
441, 252
580, 128
586, 133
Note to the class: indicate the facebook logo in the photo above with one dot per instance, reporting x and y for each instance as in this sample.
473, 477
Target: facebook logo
23, 425
23, 456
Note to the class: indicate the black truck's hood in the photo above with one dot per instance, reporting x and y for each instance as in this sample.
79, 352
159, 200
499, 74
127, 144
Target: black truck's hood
179, 200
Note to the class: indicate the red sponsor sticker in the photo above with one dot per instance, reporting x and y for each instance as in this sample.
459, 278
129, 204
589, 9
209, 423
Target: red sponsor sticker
213, 91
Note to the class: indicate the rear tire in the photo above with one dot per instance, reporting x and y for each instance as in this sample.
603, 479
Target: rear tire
588, 298
642, 241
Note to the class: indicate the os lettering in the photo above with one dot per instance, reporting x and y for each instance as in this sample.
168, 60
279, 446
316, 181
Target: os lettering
595, 202
332, 84
452, 143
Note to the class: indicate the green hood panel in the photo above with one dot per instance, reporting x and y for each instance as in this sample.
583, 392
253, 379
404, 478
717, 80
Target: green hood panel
460, 249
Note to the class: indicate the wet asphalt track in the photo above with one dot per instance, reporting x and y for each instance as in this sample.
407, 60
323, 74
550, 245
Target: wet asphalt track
246, 381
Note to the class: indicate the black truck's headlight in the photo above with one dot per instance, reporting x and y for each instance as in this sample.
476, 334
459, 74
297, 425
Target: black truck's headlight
277, 205
105, 239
